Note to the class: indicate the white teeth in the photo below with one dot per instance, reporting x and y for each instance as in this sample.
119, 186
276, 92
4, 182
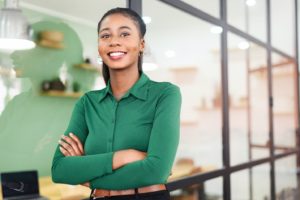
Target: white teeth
116, 53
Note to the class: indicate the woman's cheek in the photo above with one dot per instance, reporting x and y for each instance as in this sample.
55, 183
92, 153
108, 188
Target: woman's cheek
101, 50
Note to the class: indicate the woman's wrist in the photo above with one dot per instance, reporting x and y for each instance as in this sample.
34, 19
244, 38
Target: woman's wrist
118, 160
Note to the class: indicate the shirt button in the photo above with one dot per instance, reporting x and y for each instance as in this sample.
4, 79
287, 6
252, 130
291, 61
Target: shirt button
113, 120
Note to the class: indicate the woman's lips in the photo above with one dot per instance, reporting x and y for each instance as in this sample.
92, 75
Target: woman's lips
116, 55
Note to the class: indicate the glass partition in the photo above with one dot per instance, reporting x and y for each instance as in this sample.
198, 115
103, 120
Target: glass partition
284, 111
286, 181
211, 7
248, 16
189, 56
283, 26
248, 100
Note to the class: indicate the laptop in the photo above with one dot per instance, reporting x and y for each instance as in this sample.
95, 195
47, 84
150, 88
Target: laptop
20, 185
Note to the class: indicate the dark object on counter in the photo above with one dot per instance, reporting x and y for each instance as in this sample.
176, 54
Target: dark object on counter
46, 86
54, 84
87, 60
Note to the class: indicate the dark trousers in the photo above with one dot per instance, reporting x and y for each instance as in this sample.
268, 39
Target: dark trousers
159, 195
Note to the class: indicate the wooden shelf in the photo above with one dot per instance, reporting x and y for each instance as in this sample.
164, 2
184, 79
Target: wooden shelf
277, 65
87, 66
277, 147
50, 45
56, 93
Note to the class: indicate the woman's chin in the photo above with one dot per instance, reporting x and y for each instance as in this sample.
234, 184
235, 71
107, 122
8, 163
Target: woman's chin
117, 67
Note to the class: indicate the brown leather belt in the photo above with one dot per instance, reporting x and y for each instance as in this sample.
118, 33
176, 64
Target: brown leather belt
97, 193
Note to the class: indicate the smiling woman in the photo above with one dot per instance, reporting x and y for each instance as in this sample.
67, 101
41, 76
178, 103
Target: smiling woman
122, 140
119, 45
130, 34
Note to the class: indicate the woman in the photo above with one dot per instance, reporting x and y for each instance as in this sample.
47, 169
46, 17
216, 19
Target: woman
121, 141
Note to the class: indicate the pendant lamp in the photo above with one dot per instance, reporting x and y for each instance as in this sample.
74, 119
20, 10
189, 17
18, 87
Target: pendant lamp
15, 31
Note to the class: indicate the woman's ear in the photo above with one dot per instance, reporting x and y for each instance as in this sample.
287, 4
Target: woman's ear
142, 48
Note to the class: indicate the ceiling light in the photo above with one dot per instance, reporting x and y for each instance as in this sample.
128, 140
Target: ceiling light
251, 2
216, 29
147, 19
170, 53
15, 32
244, 45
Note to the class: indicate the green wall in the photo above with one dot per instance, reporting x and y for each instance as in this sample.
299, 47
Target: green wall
31, 124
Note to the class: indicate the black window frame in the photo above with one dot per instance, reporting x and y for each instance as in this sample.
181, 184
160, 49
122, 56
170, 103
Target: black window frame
227, 169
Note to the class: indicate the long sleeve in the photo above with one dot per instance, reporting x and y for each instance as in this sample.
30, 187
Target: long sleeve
163, 143
79, 169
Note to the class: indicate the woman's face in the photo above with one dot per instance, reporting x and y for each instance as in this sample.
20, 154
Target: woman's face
119, 42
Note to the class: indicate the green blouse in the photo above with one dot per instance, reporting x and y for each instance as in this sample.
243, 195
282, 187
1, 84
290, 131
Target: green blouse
146, 118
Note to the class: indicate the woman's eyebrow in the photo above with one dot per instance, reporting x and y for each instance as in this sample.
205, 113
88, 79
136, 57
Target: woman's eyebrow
122, 27
125, 27
104, 29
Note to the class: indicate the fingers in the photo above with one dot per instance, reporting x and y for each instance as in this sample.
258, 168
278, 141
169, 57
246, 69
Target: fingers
71, 145
78, 142
66, 149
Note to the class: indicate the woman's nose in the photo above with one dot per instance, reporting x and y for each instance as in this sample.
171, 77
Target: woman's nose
114, 42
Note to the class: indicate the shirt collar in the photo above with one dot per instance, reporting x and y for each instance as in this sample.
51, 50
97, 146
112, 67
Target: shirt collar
138, 89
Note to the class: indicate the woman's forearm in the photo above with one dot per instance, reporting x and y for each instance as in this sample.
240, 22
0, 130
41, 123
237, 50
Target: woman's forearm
123, 157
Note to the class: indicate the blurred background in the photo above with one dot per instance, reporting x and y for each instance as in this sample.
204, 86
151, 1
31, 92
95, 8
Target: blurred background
235, 61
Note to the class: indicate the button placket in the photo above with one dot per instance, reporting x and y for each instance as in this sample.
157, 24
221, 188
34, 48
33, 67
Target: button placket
113, 120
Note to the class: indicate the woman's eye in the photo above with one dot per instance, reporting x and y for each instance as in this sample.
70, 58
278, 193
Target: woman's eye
125, 34
104, 36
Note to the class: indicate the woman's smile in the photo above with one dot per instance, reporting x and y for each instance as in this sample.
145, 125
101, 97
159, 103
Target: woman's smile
116, 55
119, 42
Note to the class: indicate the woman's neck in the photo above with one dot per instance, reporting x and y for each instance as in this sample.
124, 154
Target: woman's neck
122, 80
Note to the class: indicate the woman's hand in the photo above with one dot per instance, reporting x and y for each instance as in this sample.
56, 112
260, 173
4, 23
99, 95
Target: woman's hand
126, 156
71, 145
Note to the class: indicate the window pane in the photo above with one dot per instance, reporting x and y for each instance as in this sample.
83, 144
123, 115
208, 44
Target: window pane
286, 178
214, 189
211, 7
284, 110
283, 25
249, 17
258, 102
240, 185
188, 55
193, 192
261, 182
211, 189
248, 100
253, 183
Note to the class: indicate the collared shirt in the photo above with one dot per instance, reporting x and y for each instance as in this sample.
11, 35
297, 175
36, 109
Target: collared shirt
146, 118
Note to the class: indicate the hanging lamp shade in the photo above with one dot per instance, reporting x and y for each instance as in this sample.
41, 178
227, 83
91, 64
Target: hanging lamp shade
15, 31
